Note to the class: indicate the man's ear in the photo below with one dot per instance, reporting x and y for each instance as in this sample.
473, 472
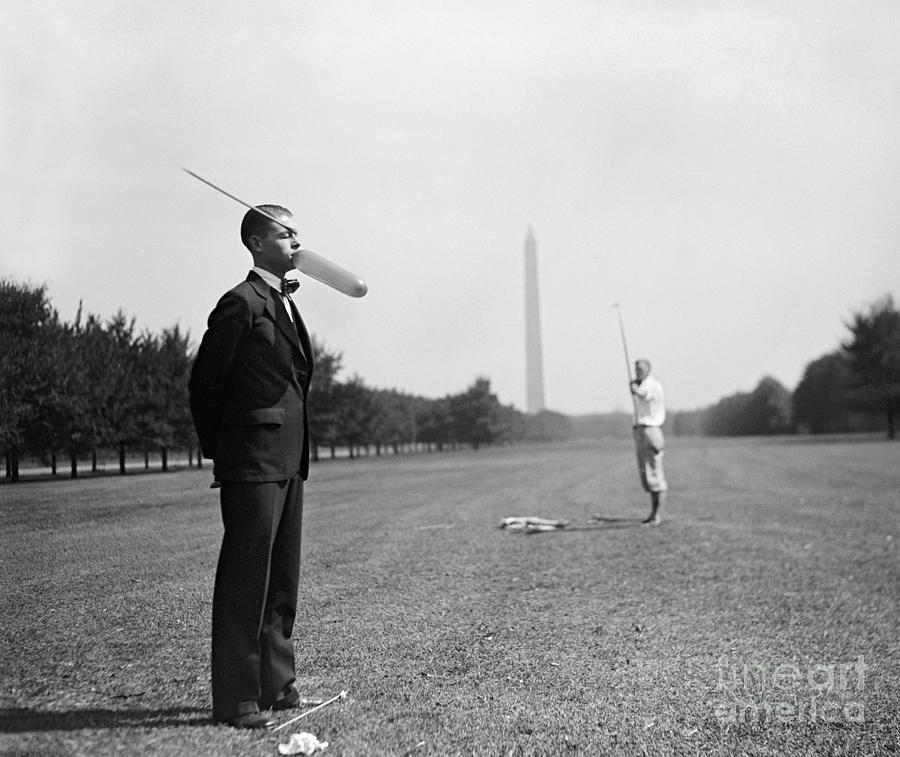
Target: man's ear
254, 244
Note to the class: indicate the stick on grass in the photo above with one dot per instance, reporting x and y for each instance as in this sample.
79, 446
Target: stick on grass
342, 695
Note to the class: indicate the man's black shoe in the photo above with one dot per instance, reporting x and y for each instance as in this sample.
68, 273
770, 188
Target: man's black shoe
288, 702
252, 720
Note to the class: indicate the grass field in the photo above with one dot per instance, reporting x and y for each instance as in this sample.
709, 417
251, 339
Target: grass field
761, 618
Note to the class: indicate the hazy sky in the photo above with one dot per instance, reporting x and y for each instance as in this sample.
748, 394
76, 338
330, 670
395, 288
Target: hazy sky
728, 171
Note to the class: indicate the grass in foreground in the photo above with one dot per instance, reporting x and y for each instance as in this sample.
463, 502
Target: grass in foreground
739, 626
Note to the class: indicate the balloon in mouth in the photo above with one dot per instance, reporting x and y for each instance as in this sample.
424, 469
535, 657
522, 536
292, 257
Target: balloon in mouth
322, 269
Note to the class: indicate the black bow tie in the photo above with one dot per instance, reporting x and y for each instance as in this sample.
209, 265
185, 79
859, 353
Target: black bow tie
289, 286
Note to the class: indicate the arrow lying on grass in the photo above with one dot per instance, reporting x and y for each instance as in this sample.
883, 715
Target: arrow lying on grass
342, 695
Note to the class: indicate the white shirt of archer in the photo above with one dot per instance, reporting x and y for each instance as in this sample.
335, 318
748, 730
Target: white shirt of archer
273, 281
649, 403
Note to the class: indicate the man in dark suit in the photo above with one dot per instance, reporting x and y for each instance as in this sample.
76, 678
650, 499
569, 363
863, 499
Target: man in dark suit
248, 392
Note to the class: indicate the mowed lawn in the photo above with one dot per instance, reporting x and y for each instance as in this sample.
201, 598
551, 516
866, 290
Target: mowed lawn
761, 618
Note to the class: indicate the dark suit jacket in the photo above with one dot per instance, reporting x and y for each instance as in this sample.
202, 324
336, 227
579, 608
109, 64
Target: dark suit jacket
248, 387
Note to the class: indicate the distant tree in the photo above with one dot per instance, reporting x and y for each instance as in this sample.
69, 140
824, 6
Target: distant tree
117, 382
324, 399
355, 411
820, 402
29, 364
769, 409
434, 422
547, 426
476, 414
728, 416
393, 419
513, 424
765, 410
61, 412
873, 352
163, 403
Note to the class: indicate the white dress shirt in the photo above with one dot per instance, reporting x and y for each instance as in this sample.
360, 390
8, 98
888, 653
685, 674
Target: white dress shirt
649, 406
273, 281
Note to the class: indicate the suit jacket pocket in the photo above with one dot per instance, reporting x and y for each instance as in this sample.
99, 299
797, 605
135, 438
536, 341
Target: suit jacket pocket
263, 416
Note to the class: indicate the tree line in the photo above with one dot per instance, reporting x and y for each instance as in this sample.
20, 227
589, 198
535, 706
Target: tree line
77, 388
74, 389
856, 387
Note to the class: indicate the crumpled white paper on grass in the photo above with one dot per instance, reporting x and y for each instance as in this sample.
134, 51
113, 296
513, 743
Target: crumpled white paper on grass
302, 743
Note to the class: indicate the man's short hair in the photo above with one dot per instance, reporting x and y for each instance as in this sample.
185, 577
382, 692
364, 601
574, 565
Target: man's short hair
254, 223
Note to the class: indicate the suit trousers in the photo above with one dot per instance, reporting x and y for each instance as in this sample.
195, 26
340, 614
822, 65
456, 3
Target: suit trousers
255, 595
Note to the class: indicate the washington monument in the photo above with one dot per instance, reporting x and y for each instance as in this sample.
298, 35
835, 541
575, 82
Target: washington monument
534, 358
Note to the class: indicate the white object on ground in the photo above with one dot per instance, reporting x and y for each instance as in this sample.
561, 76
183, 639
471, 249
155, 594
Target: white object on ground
531, 523
302, 743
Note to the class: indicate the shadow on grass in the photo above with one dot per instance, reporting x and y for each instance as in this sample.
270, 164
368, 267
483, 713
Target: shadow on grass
602, 523
29, 477
23, 719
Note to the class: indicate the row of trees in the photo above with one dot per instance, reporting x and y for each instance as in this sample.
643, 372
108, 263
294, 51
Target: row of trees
358, 418
766, 410
854, 388
76, 388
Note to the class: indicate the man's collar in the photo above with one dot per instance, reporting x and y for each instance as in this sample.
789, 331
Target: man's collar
270, 278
